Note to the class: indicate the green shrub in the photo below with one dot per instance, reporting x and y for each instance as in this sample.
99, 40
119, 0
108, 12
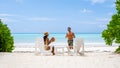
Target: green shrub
112, 33
118, 50
6, 40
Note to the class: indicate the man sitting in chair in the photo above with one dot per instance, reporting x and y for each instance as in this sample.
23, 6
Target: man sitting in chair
70, 35
47, 42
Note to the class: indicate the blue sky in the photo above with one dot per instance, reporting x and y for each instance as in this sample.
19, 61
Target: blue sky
54, 16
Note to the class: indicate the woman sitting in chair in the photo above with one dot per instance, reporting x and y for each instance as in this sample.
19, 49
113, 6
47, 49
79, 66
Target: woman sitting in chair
47, 42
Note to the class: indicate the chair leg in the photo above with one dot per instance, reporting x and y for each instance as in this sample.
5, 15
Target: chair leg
83, 50
68, 50
63, 50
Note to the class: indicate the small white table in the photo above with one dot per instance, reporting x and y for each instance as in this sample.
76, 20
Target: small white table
59, 47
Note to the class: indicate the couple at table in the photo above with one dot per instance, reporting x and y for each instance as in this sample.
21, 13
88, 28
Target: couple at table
69, 35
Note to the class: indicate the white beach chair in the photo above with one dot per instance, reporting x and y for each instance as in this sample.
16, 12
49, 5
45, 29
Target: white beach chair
39, 47
79, 46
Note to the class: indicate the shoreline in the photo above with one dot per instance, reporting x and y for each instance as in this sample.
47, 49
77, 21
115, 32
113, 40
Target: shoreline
64, 43
99, 49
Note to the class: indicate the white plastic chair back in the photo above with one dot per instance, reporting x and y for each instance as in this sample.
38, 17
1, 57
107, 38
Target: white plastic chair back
79, 45
39, 46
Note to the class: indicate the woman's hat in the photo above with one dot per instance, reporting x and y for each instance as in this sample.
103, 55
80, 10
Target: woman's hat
46, 33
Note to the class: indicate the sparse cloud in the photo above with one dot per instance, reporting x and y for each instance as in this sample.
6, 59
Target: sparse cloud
19, 1
97, 1
86, 10
8, 20
11, 15
103, 20
103, 26
42, 19
4, 15
112, 6
110, 14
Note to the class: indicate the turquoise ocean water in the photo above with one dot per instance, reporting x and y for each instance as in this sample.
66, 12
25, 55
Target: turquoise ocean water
29, 39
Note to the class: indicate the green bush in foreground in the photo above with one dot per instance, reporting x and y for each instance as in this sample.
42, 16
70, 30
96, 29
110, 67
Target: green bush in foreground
6, 40
112, 33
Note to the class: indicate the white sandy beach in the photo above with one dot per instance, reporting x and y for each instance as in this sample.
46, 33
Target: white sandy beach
95, 57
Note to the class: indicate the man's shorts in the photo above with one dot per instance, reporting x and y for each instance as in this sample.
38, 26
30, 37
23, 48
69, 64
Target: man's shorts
70, 42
